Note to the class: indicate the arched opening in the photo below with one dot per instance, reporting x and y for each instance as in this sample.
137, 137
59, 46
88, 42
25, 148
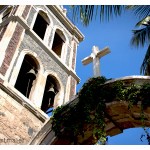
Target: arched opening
27, 75
59, 40
50, 92
41, 24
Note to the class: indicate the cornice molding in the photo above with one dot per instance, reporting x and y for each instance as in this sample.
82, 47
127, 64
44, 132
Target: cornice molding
66, 22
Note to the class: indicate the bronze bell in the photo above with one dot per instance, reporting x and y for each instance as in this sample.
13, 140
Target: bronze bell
31, 74
51, 90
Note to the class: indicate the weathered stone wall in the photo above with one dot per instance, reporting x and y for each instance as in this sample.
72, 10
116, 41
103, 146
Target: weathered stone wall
30, 17
17, 124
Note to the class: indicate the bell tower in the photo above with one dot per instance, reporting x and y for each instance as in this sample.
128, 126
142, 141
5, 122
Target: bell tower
37, 67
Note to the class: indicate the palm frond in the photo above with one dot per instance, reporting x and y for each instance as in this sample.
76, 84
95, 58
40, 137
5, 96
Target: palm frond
108, 11
141, 11
84, 13
145, 22
146, 63
141, 37
87, 12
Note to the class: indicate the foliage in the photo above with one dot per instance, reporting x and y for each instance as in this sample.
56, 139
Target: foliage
141, 11
90, 109
86, 13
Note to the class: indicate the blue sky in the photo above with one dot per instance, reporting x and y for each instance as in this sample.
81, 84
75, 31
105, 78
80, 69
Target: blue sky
123, 60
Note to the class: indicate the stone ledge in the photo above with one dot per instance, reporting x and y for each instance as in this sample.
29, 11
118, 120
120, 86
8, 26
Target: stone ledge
130, 78
72, 28
25, 102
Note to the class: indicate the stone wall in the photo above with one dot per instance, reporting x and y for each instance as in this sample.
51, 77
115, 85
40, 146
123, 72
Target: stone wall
17, 124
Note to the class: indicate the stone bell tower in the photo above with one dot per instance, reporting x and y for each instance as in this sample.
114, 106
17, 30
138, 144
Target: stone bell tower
38, 46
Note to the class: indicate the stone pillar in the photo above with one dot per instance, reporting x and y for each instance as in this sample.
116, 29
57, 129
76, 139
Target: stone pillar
73, 87
11, 40
37, 97
73, 54
67, 93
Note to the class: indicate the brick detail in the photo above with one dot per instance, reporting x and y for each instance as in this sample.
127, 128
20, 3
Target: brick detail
3, 31
26, 11
11, 49
15, 9
74, 56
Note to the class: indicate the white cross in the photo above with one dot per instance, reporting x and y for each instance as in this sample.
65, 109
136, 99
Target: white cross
95, 56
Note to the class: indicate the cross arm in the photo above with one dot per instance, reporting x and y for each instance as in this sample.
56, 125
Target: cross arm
103, 52
87, 60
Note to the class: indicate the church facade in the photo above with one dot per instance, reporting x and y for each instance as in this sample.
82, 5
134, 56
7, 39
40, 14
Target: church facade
37, 67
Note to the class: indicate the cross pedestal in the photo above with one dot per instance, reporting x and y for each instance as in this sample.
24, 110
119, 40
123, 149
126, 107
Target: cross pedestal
95, 58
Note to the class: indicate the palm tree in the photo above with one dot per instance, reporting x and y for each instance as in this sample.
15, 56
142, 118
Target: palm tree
141, 37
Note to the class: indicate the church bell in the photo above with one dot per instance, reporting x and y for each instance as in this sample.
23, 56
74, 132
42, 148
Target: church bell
31, 74
51, 91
